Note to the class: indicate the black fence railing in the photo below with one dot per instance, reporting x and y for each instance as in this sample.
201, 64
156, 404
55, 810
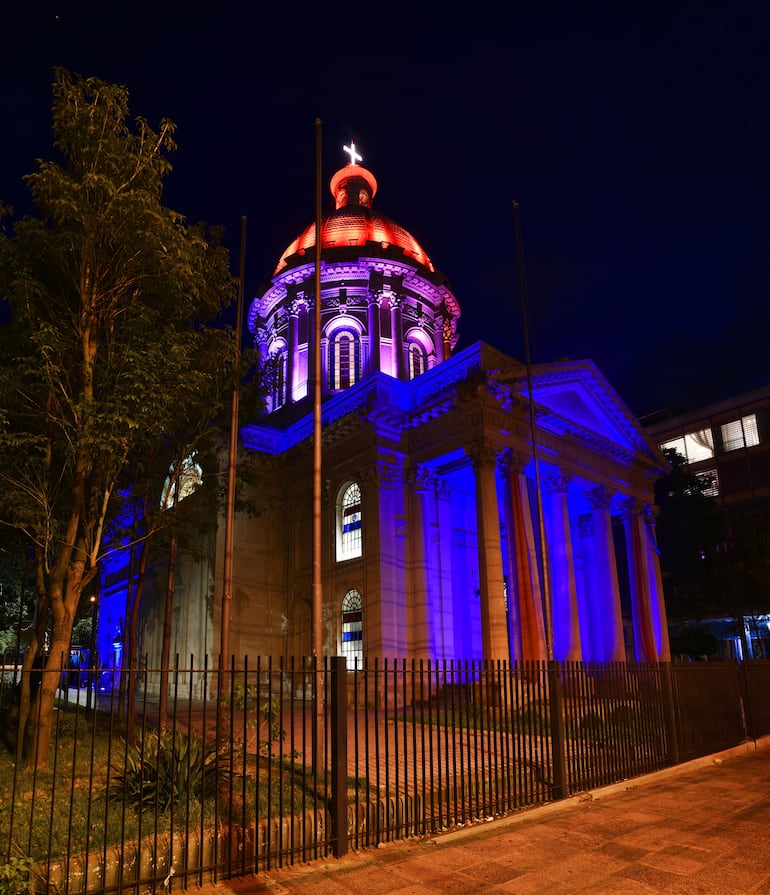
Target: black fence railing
268, 763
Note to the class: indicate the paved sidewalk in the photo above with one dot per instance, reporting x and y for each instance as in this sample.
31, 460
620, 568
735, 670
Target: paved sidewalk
703, 827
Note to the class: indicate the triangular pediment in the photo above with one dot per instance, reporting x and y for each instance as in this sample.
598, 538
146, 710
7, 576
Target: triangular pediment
572, 397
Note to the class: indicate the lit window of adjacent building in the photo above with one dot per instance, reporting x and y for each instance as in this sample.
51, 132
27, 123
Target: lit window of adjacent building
740, 433
693, 446
349, 519
352, 629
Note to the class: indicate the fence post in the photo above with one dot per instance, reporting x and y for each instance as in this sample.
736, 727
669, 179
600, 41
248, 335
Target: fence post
558, 739
339, 762
670, 709
744, 686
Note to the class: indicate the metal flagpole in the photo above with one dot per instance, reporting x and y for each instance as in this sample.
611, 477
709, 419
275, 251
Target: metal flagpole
227, 588
317, 593
544, 574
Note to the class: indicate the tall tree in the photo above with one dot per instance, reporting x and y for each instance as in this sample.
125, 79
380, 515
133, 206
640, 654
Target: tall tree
98, 360
690, 532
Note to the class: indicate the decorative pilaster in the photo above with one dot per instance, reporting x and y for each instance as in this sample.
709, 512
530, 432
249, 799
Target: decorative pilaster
564, 606
373, 325
397, 335
494, 633
293, 352
422, 491
438, 338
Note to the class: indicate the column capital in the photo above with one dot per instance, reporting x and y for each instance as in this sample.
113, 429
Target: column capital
630, 507
557, 481
600, 497
511, 462
483, 455
422, 478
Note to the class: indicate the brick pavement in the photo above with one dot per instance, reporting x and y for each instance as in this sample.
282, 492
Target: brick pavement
702, 827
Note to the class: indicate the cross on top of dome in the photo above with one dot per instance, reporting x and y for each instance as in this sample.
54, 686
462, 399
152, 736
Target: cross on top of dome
354, 156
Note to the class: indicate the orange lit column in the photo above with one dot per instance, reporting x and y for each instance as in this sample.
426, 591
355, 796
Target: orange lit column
494, 633
639, 574
525, 604
397, 337
657, 601
603, 611
373, 325
564, 615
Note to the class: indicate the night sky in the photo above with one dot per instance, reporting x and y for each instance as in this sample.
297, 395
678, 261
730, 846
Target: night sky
635, 137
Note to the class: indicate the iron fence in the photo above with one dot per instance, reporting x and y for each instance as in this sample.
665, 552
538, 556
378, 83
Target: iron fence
266, 763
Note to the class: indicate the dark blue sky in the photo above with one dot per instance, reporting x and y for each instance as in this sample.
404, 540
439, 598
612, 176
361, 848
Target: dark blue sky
636, 138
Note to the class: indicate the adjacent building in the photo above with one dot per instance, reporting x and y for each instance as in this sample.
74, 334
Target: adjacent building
727, 444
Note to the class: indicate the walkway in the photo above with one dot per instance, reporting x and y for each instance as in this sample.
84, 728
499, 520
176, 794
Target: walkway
698, 828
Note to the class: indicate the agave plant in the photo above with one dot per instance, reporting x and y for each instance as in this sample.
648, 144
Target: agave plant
168, 769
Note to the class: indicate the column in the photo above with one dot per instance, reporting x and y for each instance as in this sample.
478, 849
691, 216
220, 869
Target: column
657, 600
564, 606
494, 631
604, 610
639, 581
373, 326
525, 602
398, 337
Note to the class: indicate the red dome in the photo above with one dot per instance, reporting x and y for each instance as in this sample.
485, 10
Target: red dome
353, 223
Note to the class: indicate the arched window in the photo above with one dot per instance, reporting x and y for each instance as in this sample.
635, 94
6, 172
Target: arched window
344, 359
352, 628
349, 518
417, 360
275, 374
181, 482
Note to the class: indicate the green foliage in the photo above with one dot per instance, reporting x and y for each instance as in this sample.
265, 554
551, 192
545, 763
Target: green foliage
16, 877
690, 532
107, 375
268, 712
167, 770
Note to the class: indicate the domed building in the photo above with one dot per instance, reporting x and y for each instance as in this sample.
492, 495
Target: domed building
430, 525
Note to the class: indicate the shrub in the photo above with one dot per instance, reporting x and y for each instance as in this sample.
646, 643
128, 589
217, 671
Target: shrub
16, 877
169, 769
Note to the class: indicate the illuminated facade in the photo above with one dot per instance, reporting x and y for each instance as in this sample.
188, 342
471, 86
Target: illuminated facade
431, 544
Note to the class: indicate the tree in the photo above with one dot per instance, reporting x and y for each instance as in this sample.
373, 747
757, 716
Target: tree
690, 531
97, 363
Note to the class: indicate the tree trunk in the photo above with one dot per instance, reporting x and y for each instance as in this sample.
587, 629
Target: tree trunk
168, 617
132, 624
